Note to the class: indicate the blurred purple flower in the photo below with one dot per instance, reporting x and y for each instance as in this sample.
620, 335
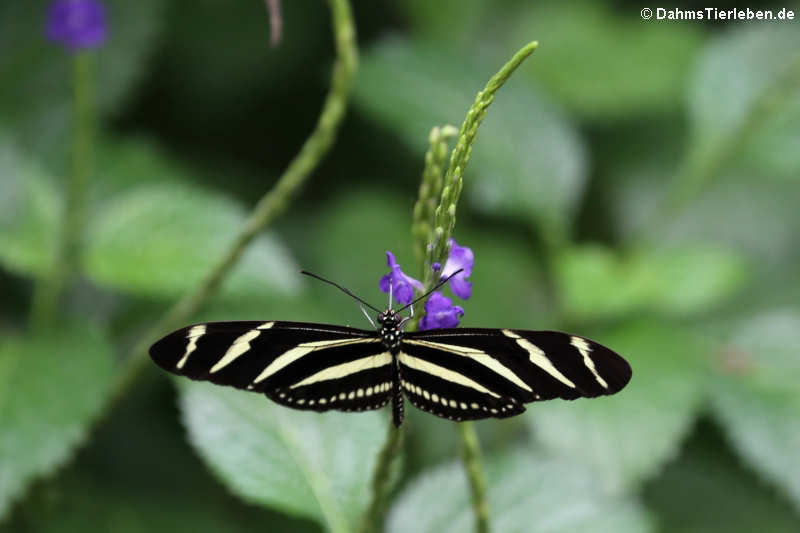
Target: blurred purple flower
440, 313
402, 285
76, 24
460, 257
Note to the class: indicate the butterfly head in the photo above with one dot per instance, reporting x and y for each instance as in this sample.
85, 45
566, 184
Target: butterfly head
389, 319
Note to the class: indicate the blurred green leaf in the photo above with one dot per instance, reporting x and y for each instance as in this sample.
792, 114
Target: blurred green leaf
161, 240
308, 464
507, 284
526, 493
773, 151
354, 231
605, 63
111, 486
125, 162
597, 283
627, 438
528, 162
764, 61
37, 105
706, 490
29, 213
51, 387
756, 396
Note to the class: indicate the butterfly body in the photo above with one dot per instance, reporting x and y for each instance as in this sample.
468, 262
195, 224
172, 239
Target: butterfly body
459, 374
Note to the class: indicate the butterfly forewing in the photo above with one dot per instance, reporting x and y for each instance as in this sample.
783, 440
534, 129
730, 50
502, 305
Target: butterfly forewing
479, 373
306, 366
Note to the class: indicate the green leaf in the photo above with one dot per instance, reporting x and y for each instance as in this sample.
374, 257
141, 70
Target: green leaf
526, 493
772, 151
604, 63
764, 60
596, 283
52, 385
708, 490
161, 240
110, 485
37, 105
308, 464
29, 213
627, 438
756, 397
528, 161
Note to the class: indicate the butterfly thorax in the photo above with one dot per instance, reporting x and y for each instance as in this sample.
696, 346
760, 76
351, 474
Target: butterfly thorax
389, 328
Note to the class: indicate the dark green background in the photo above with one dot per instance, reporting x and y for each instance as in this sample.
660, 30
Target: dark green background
635, 181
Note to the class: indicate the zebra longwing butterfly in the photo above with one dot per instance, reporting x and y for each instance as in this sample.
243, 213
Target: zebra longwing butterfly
460, 374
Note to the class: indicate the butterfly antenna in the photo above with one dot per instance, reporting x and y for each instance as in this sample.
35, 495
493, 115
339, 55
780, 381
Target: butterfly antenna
343, 289
435, 287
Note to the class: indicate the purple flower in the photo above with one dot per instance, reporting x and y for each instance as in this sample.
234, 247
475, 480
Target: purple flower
402, 285
76, 24
440, 313
460, 257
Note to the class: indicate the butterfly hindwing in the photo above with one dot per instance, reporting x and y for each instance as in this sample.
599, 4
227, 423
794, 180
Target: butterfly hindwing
491, 372
305, 366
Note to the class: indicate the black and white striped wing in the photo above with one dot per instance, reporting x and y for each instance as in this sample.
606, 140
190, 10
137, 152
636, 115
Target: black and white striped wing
466, 374
305, 366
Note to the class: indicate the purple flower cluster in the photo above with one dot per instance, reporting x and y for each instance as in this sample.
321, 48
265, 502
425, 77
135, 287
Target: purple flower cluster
77, 24
402, 284
439, 309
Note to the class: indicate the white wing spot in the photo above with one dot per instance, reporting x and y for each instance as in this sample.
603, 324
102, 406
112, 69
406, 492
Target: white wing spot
240, 346
194, 335
538, 358
584, 348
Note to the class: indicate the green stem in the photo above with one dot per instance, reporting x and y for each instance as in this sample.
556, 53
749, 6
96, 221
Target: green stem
442, 222
471, 457
275, 201
65, 264
445, 214
373, 518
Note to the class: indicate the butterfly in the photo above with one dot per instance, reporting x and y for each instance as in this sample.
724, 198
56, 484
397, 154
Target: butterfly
455, 373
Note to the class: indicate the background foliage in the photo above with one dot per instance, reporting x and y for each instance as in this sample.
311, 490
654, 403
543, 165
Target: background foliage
636, 182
